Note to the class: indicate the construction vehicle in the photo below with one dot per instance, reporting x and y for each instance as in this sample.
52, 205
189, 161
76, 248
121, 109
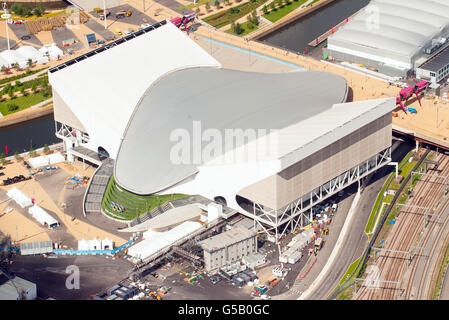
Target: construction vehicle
318, 243
326, 231
108, 13
118, 32
120, 14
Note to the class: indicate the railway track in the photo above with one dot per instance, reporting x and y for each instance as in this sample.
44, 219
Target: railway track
405, 234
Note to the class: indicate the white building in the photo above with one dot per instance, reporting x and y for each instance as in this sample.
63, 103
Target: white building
393, 36
297, 139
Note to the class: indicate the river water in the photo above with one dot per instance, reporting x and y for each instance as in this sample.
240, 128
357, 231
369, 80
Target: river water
296, 35
36, 133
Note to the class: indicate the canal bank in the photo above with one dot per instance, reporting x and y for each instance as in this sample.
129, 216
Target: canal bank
289, 18
25, 115
296, 34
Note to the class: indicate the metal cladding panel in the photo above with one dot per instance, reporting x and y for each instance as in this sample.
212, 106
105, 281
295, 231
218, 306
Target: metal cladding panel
289, 185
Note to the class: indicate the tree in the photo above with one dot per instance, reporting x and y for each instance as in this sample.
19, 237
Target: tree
17, 156
2, 158
16, 66
27, 11
280, 4
217, 4
4, 69
33, 86
17, 8
238, 28
37, 12
198, 10
46, 149
22, 91
207, 6
29, 63
265, 9
273, 6
254, 18
250, 25
13, 107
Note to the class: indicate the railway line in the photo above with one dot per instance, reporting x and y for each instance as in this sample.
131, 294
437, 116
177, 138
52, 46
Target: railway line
409, 231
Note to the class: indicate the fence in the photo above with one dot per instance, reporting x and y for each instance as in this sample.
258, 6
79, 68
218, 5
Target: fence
92, 252
348, 283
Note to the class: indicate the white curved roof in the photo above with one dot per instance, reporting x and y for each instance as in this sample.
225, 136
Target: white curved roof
12, 57
399, 27
103, 90
30, 52
220, 100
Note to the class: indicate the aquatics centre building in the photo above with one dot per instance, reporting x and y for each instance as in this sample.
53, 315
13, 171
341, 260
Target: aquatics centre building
166, 119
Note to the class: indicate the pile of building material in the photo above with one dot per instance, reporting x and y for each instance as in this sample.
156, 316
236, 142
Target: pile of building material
47, 24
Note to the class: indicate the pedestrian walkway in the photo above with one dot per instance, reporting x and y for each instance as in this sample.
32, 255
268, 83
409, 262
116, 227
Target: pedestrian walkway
43, 103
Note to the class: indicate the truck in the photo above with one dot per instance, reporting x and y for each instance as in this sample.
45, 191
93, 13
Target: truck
318, 243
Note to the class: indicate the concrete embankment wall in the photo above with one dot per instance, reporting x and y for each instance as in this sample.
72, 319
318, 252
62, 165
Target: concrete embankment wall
292, 16
25, 115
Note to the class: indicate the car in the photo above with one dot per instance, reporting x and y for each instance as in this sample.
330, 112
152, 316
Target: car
154, 274
215, 279
129, 31
145, 25
102, 15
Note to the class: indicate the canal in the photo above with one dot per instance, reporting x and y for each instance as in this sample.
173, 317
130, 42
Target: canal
296, 35
36, 133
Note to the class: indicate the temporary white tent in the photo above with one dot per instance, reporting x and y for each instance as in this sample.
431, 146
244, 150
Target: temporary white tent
12, 57
94, 244
46, 160
83, 244
43, 217
19, 197
3, 62
156, 241
107, 244
29, 52
55, 158
55, 53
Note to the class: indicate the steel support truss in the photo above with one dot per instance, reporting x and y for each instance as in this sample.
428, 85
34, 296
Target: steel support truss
299, 212
409, 255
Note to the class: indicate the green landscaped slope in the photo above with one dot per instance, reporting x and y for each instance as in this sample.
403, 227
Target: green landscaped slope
278, 13
225, 17
245, 28
134, 205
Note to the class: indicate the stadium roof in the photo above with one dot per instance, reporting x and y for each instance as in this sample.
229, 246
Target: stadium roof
401, 27
103, 89
220, 99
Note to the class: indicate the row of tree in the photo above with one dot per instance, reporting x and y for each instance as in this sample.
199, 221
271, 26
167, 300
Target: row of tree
277, 4
25, 11
31, 152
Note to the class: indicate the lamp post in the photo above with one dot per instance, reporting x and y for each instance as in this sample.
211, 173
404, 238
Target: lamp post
104, 14
6, 16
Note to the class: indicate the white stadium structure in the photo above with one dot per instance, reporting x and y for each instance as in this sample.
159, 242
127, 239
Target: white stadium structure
295, 139
393, 36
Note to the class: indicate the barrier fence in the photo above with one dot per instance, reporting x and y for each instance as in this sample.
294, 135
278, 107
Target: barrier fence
93, 252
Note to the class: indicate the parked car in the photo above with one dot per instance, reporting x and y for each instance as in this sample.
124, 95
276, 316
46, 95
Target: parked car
215, 279
145, 25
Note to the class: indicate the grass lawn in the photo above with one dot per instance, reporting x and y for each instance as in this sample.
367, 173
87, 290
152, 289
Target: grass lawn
224, 17
135, 205
274, 16
22, 102
20, 76
245, 28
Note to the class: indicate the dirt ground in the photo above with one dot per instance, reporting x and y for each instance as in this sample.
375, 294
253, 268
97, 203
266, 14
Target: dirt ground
50, 196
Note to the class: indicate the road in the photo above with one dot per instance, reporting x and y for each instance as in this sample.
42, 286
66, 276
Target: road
356, 239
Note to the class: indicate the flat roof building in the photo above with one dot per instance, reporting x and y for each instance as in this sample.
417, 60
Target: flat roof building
392, 36
435, 69
228, 247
